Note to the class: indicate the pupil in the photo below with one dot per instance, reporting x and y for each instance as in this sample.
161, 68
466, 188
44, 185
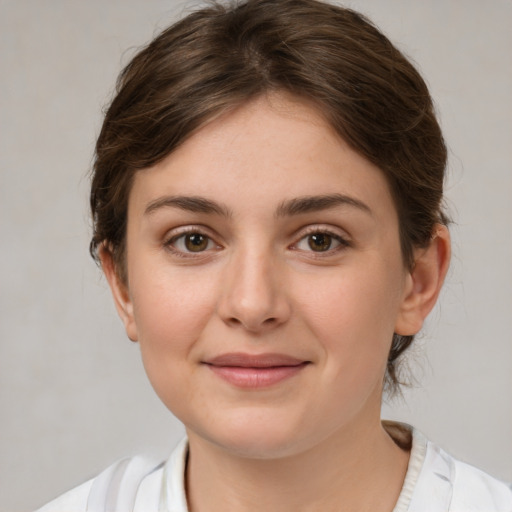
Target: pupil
196, 242
319, 242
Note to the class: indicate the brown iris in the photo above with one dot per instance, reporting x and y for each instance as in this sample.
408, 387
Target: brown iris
195, 242
320, 242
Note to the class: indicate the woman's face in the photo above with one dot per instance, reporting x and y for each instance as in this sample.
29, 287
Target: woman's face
265, 280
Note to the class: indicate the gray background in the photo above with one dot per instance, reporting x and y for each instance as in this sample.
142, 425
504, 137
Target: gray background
73, 395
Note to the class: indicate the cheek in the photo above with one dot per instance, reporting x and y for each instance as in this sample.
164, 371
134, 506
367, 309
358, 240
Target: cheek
169, 304
352, 314
171, 310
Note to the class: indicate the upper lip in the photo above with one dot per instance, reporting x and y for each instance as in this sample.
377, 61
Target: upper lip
240, 359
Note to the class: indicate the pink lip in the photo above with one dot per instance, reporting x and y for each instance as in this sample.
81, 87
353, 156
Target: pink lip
255, 371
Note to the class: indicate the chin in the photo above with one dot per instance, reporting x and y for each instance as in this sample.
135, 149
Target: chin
252, 434
262, 446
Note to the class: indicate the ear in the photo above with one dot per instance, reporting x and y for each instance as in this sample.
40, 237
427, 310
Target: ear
120, 292
424, 282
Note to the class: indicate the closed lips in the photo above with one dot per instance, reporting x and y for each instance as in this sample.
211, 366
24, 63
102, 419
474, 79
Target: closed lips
255, 361
255, 371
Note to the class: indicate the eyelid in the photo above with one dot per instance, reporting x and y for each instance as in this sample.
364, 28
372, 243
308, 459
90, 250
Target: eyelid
176, 233
344, 240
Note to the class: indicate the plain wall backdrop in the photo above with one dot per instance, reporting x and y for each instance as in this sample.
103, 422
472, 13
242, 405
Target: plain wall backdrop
73, 394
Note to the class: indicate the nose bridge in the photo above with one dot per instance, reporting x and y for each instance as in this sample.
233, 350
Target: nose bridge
252, 293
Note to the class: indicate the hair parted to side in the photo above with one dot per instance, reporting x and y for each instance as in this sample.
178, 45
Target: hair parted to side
225, 54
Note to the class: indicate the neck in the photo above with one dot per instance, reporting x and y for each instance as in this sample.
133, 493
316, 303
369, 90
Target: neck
353, 470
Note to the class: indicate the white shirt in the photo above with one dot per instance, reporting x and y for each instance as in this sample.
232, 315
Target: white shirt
435, 482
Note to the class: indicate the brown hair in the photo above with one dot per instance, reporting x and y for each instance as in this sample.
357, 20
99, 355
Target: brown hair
221, 56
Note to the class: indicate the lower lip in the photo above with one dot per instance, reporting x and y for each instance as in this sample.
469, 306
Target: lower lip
243, 377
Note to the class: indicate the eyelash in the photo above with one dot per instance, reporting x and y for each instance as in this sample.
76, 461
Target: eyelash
192, 230
343, 243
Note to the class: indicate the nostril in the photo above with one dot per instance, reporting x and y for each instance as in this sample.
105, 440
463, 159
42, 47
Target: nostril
253, 326
253, 307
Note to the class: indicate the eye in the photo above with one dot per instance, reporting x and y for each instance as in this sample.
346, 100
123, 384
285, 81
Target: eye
192, 242
320, 241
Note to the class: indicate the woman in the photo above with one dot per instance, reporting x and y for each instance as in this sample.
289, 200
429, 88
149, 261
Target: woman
266, 199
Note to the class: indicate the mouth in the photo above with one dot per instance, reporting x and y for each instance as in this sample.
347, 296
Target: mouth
255, 371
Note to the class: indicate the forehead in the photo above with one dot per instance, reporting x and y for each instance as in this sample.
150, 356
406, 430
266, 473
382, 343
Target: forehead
272, 148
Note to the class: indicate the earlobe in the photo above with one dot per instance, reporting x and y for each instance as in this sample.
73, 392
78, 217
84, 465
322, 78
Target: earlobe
120, 292
424, 282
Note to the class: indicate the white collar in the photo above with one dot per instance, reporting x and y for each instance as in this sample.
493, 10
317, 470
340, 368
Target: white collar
173, 497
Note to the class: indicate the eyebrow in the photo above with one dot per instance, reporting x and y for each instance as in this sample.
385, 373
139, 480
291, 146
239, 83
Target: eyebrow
288, 208
308, 204
194, 204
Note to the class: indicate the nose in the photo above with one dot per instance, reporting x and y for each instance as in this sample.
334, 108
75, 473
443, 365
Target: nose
253, 293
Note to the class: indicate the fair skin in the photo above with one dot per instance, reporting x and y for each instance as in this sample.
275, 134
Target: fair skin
265, 282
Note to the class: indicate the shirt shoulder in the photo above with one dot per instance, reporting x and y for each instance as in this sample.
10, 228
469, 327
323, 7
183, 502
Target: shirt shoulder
476, 491
135, 484
449, 485
74, 500
437, 482
115, 488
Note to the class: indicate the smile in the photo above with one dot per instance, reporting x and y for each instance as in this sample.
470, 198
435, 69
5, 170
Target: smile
255, 371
